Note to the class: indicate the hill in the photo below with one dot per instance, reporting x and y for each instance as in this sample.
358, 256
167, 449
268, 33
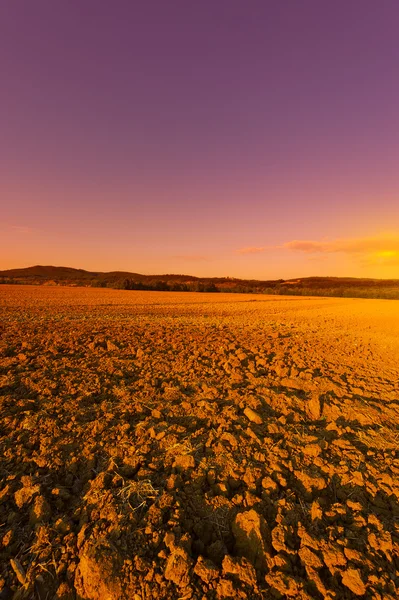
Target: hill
305, 286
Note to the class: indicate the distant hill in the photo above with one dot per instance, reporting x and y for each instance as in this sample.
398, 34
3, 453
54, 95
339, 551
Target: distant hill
305, 286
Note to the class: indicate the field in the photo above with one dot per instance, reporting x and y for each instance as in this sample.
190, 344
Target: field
195, 446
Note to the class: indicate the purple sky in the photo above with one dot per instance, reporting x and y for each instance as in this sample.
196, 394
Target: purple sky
209, 137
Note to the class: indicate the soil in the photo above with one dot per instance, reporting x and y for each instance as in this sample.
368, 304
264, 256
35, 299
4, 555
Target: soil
195, 446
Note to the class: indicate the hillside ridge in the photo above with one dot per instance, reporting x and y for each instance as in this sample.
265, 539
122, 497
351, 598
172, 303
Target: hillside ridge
350, 287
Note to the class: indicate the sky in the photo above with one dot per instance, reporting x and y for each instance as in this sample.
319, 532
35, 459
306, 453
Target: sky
217, 138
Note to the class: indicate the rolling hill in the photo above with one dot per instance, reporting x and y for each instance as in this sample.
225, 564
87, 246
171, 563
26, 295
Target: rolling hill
307, 286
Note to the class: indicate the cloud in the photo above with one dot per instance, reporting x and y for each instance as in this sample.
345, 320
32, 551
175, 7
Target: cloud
21, 229
383, 246
378, 250
251, 250
256, 249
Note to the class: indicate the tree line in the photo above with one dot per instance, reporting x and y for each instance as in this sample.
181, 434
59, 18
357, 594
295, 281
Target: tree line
170, 286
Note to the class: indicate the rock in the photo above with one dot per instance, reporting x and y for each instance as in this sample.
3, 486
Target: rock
64, 592
169, 540
184, 462
40, 511
352, 580
309, 558
269, 484
316, 511
283, 585
333, 557
355, 506
111, 346
278, 538
313, 407
25, 494
211, 477
311, 450
99, 573
206, 570
253, 416
177, 567
174, 482
251, 535
225, 589
62, 525
382, 542
241, 568
18, 570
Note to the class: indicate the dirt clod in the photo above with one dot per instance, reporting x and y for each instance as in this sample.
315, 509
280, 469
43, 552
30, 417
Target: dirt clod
352, 580
251, 534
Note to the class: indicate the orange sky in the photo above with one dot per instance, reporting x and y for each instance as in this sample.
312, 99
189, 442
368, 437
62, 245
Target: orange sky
212, 139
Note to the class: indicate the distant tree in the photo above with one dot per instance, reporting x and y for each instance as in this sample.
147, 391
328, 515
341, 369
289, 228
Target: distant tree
161, 286
210, 287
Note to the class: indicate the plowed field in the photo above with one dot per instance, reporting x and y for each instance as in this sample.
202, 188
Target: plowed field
195, 446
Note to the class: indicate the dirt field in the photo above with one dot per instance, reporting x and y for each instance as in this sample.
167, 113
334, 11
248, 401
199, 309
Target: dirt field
178, 446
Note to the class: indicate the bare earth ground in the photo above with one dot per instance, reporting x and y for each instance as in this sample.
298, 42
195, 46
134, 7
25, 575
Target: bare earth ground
163, 445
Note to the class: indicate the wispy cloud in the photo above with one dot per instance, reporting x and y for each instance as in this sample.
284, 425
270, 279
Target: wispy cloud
254, 249
365, 245
21, 229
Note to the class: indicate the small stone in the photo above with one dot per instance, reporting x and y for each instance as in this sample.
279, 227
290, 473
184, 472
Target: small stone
99, 573
313, 407
269, 484
184, 462
352, 580
177, 567
169, 540
18, 570
111, 346
251, 532
225, 589
25, 494
355, 506
64, 592
40, 512
211, 477
220, 489
174, 482
316, 511
241, 568
311, 450
309, 558
62, 525
253, 416
206, 570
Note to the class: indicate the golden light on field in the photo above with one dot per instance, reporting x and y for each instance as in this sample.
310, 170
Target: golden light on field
202, 438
